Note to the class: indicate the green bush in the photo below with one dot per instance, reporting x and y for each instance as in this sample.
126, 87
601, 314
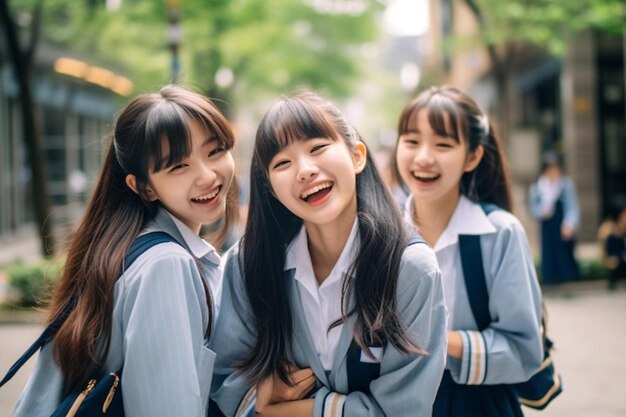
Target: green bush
33, 282
591, 269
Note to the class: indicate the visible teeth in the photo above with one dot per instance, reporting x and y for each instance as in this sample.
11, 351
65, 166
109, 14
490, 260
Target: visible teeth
206, 196
425, 175
315, 189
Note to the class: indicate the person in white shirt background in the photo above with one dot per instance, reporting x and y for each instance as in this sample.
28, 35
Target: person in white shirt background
326, 291
450, 159
168, 168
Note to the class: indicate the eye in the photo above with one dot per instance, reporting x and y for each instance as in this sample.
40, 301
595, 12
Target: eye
216, 151
176, 167
280, 164
317, 148
444, 145
410, 140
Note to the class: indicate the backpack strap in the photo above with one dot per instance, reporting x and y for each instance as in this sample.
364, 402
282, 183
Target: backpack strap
139, 246
474, 276
474, 273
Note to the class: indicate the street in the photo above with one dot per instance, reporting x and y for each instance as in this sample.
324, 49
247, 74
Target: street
587, 324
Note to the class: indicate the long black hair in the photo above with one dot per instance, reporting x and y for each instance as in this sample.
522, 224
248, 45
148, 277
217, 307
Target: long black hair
372, 279
452, 112
116, 214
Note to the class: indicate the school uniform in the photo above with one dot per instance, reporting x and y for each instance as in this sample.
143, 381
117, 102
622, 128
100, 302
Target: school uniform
160, 317
510, 349
406, 383
555, 204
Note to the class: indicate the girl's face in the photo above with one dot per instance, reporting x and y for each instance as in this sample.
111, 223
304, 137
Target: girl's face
315, 179
195, 188
432, 165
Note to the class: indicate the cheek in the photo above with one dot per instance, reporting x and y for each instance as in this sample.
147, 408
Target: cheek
404, 158
227, 166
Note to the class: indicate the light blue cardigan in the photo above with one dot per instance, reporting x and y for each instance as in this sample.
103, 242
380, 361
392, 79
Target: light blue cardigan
159, 320
407, 384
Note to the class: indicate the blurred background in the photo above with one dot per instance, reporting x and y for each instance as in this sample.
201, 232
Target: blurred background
550, 73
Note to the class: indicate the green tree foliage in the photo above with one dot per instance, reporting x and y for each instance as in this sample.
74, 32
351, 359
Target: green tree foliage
507, 27
546, 23
269, 46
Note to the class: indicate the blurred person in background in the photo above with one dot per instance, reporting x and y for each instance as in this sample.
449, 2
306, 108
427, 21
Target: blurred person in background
553, 201
612, 239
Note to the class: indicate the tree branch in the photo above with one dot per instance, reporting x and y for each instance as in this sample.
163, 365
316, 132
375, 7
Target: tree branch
480, 18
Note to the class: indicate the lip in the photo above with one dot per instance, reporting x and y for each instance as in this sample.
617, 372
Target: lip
312, 186
425, 178
210, 202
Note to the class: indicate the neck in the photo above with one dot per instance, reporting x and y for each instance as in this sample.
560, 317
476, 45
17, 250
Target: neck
433, 217
326, 242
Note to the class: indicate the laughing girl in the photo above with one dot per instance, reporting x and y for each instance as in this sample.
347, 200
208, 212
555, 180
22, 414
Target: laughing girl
326, 292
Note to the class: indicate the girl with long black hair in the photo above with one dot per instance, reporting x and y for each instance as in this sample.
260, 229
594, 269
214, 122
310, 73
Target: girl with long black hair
325, 292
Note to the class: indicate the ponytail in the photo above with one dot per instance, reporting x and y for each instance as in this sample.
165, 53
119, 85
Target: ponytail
490, 181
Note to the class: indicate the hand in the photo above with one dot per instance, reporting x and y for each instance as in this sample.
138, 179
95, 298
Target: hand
567, 232
273, 390
455, 345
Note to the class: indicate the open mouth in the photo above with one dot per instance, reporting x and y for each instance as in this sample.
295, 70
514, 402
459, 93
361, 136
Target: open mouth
207, 198
317, 193
425, 176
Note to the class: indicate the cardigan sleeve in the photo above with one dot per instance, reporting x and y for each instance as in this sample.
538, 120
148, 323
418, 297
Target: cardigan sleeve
510, 349
571, 215
233, 340
408, 383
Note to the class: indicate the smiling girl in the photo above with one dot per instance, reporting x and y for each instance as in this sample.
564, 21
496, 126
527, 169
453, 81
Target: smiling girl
450, 159
326, 292
168, 169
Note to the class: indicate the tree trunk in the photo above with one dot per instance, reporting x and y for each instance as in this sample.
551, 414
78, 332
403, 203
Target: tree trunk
22, 62
499, 68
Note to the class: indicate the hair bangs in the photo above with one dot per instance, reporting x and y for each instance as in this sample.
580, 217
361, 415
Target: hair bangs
169, 121
443, 116
290, 120
201, 109
167, 135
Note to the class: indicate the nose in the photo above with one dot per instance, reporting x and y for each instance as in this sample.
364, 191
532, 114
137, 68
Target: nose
205, 175
306, 170
424, 156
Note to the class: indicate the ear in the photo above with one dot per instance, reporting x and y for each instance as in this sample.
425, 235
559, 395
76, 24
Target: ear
474, 159
359, 156
131, 182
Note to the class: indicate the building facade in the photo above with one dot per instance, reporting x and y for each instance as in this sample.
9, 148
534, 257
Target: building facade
574, 105
75, 116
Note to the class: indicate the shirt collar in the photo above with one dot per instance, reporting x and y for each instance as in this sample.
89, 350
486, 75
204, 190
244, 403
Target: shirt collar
298, 258
468, 219
199, 247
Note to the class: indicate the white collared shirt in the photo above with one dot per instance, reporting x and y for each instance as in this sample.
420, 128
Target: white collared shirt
321, 303
201, 249
468, 219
